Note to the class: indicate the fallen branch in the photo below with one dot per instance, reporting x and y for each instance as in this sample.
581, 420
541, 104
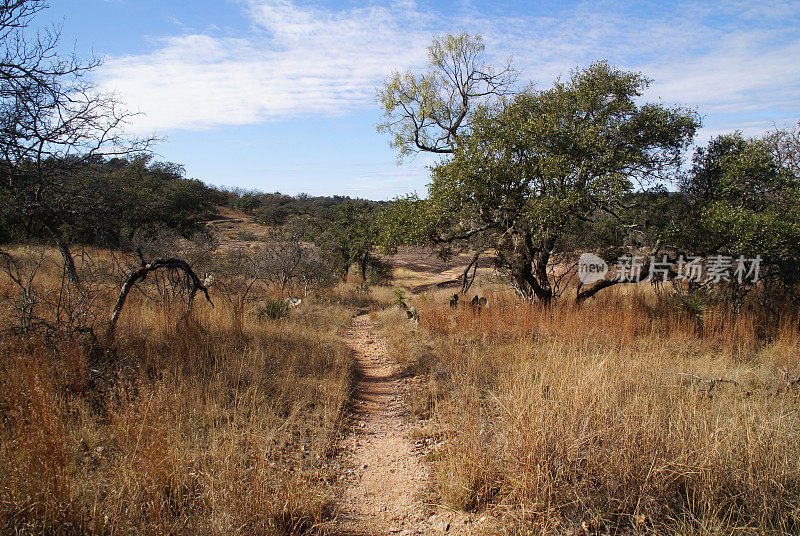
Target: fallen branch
141, 273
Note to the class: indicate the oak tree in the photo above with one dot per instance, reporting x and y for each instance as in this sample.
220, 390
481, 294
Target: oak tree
532, 167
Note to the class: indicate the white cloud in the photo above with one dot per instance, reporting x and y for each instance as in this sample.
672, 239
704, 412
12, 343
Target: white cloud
298, 61
726, 60
741, 74
386, 184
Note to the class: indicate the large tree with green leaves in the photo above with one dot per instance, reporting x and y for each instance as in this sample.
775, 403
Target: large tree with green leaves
532, 168
743, 199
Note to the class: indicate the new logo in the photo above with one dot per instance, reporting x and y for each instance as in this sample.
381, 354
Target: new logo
591, 268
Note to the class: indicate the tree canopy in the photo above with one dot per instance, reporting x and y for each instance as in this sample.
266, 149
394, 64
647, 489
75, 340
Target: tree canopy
534, 166
743, 198
429, 111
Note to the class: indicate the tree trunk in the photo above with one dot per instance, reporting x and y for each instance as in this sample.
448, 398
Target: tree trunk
66, 256
585, 294
466, 280
530, 267
363, 267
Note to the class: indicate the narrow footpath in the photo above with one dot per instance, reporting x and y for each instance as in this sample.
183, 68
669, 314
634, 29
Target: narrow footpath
389, 490
388, 483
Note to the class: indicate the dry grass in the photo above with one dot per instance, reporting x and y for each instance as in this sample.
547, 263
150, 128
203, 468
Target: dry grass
598, 420
210, 423
237, 230
590, 421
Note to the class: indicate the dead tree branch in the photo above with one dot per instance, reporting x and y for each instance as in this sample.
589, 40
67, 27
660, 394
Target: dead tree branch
140, 273
466, 280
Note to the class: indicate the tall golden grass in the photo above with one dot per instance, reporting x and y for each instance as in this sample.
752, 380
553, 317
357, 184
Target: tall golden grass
606, 419
209, 422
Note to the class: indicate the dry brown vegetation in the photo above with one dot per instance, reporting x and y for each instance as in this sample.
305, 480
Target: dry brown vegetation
624, 416
237, 229
628, 415
208, 422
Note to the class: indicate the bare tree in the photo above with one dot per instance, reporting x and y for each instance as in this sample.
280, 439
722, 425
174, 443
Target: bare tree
280, 260
56, 312
785, 147
236, 275
52, 118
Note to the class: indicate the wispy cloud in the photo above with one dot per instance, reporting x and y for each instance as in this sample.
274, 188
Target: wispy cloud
731, 59
296, 61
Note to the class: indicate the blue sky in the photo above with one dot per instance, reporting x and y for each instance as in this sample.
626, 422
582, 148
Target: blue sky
278, 95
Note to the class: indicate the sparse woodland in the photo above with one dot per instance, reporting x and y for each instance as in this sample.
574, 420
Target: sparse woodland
174, 356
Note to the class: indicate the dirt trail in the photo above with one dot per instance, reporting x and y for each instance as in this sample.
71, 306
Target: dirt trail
389, 489
389, 483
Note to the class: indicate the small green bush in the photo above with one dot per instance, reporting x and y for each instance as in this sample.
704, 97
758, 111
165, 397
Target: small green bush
399, 298
274, 309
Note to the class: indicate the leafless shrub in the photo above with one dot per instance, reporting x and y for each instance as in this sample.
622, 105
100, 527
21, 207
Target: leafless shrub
46, 301
283, 263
